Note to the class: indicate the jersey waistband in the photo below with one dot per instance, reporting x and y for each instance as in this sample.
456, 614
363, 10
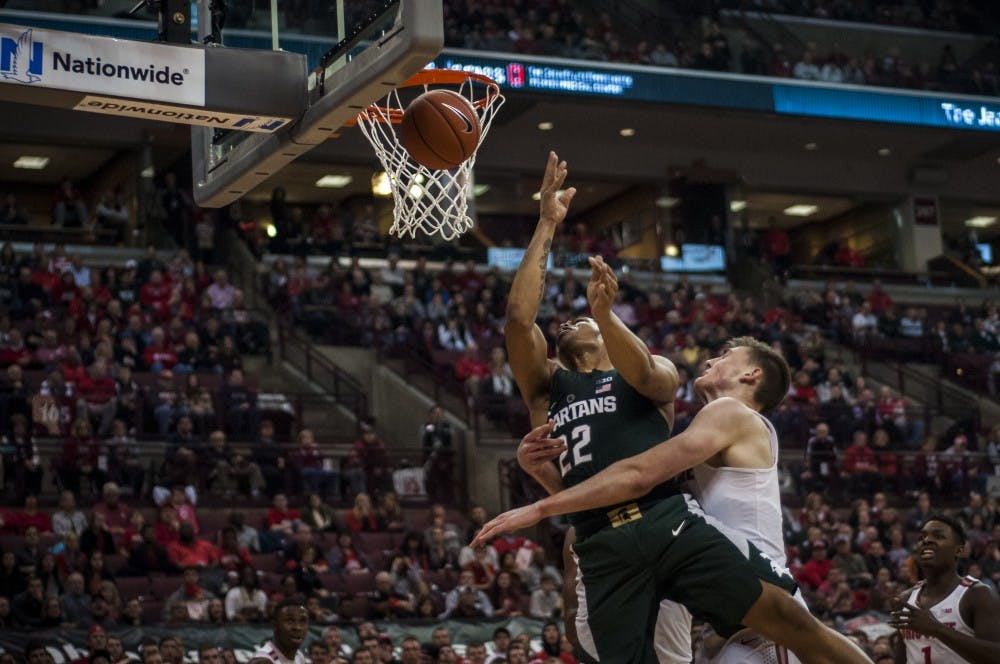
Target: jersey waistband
594, 522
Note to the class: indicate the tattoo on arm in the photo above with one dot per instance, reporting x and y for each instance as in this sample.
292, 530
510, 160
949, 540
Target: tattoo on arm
542, 262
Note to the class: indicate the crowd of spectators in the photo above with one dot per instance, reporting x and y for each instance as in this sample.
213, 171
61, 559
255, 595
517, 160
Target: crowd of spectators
98, 357
453, 317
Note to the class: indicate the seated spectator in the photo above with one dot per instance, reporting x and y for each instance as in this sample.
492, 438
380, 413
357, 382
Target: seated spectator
233, 558
125, 467
97, 537
157, 356
439, 555
482, 567
95, 573
317, 515
31, 516
246, 602
361, 517
75, 601
465, 600
318, 473
189, 551
231, 472
240, 406
343, 557
470, 369
47, 572
505, 594
546, 602
22, 470
307, 569
97, 397
387, 603
390, 512
149, 557
821, 461
814, 572
12, 580
116, 514
181, 462
28, 607
79, 459
247, 536
850, 563
860, 467
131, 537
191, 598
29, 554
68, 519
270, 458
496, 389
864, 323
538, 566
552, 649
374, 460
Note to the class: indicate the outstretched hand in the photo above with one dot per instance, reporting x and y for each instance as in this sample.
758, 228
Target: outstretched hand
554, 201
537, 449
508, 522
603, 287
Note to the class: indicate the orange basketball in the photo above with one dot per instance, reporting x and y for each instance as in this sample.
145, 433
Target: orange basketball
440, 129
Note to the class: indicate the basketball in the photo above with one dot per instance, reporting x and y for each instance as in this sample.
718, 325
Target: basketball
440, 129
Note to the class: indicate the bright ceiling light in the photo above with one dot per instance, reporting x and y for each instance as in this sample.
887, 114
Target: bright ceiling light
480, 189
667, 202
271, 230
545, 126
801, 210
627, 132
381, 186
737, 206
31, 163
980, 222
416, 191
148, 173
671, 250
811, 146
334, 181
884, 152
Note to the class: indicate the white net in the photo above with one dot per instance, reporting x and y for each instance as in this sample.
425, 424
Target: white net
428, 200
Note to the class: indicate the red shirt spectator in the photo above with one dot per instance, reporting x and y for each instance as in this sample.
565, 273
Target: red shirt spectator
878, 298
189, 551
117, 515
30, 516
777, 242
848, 257
859, 457
470, 365
814, 572
15, 352
156, 292
362, 517
97, 387
232, 557
278, 517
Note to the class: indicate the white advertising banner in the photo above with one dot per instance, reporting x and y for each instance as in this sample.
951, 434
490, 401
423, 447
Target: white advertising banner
167, 113
102, 65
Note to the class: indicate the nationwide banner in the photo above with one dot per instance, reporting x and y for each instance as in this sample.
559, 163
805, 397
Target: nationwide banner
102, 65
65, 645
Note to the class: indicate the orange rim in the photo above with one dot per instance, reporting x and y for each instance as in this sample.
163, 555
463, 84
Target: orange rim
393, 115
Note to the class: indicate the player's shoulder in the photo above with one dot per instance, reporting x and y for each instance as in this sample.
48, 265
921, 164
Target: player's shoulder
733, 410
978, 593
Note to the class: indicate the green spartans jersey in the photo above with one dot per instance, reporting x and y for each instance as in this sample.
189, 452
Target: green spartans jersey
603, 420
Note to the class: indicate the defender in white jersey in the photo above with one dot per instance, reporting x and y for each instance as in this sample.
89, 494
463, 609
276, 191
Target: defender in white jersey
728, 433
946, 619
291, 625
744, 502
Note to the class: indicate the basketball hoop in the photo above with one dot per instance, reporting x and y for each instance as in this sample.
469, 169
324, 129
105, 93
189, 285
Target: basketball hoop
424, 199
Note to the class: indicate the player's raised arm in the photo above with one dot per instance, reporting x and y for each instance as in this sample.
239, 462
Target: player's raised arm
652, 376
526, 347
721, 423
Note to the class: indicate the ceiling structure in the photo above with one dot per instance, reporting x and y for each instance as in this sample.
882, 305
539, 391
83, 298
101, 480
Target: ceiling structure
771, 161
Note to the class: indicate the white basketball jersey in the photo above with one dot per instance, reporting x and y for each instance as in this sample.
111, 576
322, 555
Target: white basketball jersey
922, 649
271, 652
746, 500
745, 503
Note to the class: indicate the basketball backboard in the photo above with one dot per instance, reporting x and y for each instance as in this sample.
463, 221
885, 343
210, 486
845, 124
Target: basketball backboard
379, 45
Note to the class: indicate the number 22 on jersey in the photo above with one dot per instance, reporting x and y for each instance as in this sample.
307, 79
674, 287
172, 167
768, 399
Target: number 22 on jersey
575, 448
